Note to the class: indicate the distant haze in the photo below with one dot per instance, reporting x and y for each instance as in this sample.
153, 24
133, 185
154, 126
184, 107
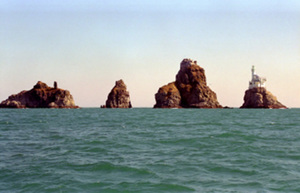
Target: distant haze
87, 45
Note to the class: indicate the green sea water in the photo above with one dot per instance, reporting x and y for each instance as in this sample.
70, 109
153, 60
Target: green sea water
149, 150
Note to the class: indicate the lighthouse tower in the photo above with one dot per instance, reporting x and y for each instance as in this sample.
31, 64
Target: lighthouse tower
253, 72
256, 81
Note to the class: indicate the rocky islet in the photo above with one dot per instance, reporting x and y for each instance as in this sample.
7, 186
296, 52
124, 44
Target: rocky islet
261, 98
40, 96
257, 95
118, 96
189, 90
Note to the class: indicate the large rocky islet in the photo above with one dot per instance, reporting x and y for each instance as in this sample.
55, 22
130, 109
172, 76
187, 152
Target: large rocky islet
189, 90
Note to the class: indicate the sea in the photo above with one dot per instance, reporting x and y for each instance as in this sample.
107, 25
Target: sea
149, 150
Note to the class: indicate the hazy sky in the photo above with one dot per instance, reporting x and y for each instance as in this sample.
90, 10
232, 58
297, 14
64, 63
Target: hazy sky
87, 45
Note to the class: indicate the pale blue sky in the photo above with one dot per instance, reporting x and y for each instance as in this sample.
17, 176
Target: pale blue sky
87, 45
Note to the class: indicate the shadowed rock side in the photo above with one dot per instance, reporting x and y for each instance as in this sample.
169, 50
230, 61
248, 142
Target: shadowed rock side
188, 91
261, 98
40, 96
118, 97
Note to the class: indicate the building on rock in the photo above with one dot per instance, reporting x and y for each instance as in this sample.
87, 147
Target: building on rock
257, 95
256, 81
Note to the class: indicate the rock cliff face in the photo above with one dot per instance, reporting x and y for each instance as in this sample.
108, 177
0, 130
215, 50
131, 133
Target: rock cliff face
188, 91
40, 96
261, 98
118, 96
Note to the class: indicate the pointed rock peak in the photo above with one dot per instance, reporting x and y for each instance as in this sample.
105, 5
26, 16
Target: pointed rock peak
190, 73
118, 97
40, 85
120, 83
187, 63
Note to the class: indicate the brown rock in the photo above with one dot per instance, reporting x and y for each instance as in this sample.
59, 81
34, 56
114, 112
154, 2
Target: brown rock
118, 97
168, 96
261, 98
188, 91
55, 85
41, 96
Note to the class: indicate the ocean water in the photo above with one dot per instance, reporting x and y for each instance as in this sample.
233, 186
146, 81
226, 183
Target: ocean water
149, 150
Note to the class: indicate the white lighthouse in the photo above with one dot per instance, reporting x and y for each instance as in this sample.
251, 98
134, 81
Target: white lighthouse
256, 80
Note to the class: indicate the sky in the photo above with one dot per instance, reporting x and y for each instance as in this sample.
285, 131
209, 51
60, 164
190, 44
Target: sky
87, 45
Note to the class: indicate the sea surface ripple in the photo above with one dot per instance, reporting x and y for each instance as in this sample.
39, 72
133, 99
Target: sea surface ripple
149, 150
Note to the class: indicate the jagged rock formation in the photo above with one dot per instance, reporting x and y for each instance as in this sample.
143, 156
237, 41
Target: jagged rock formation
261, 98
40, 96
118, 97
188, 91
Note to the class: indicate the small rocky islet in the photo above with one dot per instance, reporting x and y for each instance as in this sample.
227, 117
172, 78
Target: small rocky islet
118, 97
189, 90
261, 98
257, 95
40, 96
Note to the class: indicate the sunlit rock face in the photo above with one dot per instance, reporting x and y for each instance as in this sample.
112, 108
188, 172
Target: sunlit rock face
40, 96
188, 91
